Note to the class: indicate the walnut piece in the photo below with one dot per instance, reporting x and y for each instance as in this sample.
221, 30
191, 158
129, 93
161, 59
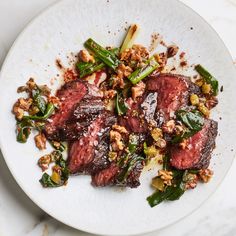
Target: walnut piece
205, 175
116, 141
167, 176
44, 162
109, 94
40, 141
190, 180
161, 143
85, 56
120, 129
168, 127
138, 90
17, 111
123, 71
31, 84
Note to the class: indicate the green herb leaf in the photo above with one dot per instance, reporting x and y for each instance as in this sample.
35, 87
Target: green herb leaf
133, 142
39, 101
121, 107
50, 109
210, 79
23, 130
47, 182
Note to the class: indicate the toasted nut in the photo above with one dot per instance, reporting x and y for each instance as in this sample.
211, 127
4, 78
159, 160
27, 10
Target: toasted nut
44, 162
156, 133
169, 127
203, 109
109, 93
55, 101
167, 176
205, 175
56, 169
206, 88
184, 144
161, 58
211, 102
123, 71
114, 135
112, 155
194, 99
40, 141
23, 89
46, 91
31, 84
25, 103
86, 57
190, 181
120, 129
172, 50
117, 82
161, 143
17, 111
116, 143
33, 110
199, 82
179, 129
138, 90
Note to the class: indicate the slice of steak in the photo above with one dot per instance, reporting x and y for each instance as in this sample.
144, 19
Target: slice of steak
106, 177
82, 151
197, 154
71, 95
134, 120
173, 93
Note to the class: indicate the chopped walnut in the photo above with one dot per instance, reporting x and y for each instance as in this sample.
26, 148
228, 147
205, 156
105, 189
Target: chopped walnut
25, 103
40, 141
161, 58
161, 143
56, 169
205, 175
109, 94
86, 57
172, 50
31, 84
123, 71
116, 141
120, 129
118, 82
136, 54
156, 133
211, 102
46, 91
44, 162
17, 111
138, 90
55, 101
167, 176
23, 89
190, 181
168, 127
179, 129
112, 155
184, 144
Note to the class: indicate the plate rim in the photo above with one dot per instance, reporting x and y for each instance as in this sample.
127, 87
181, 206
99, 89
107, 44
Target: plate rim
5, 61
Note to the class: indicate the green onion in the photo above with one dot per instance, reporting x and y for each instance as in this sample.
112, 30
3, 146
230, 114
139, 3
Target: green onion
87, 68
142, 73
23, 130
210, 79
130, 37
106, 56
120, 105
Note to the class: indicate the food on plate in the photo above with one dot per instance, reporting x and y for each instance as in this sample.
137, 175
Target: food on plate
121, 109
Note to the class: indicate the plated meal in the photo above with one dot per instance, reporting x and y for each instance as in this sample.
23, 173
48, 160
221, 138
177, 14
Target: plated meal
120, 109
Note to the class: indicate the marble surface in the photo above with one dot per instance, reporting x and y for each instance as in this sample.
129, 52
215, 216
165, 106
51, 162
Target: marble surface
20, 216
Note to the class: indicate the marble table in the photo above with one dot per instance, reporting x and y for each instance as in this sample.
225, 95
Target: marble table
20, 216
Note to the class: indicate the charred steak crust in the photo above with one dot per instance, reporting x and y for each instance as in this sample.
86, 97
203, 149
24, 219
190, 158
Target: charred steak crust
173, 93
82, 152
197, 154
79, 101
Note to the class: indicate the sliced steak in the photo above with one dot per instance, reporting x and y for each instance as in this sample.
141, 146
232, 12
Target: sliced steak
70, 94
134, 121
78, 100
82, 151
197, 154
173, 93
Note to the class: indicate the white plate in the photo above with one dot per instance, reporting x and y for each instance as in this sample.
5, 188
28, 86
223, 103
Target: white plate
62, 29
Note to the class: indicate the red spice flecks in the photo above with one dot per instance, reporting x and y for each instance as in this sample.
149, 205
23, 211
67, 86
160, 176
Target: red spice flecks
181, 55
59, 64
69, 75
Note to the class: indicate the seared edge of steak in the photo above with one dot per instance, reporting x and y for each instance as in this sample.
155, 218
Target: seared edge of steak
197, 154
